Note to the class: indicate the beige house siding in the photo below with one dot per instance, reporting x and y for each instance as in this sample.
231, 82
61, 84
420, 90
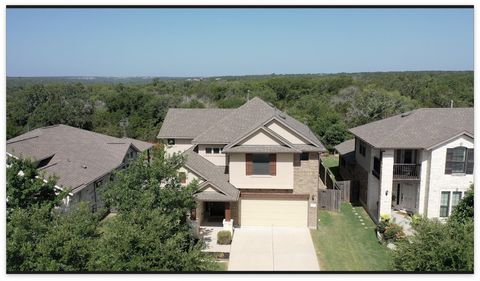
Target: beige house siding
217, 159
180, 146
190, 176
285, 133
260, 138
282, 180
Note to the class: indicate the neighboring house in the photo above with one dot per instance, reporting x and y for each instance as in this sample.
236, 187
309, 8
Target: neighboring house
420, 161
81, 160
255, 164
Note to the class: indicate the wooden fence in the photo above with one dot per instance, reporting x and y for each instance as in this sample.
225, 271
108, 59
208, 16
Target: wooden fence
327, 177
329, 199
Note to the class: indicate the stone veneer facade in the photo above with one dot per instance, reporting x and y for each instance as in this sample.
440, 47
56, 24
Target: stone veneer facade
306, 181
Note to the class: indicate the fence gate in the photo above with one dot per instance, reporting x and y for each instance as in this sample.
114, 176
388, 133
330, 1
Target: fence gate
329, 199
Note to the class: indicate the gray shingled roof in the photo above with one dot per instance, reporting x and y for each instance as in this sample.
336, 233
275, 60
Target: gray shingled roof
210, 173
261, 149
421, 128
208, 126
79, 156
212, 196
190, 122
346, 147
140, 145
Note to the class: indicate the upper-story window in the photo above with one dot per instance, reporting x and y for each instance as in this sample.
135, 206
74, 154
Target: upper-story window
261, 164
213, 150
362, 148
376, 166
171, 141
459, 160
304, 156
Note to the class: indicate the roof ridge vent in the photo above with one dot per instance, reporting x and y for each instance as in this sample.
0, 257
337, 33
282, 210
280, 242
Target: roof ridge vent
282, 115
406, 114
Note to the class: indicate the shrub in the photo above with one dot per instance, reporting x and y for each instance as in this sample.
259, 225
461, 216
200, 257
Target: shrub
224, 237
381, 226
416, 218
392, 232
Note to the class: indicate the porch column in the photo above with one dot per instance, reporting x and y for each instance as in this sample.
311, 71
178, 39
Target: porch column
227, 211
423, 187
386, 183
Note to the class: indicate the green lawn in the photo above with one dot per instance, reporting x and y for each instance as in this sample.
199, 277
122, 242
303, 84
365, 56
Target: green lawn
331, 162
343, 243
222, 266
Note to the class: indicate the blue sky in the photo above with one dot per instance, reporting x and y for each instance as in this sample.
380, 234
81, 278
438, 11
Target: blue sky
210, 42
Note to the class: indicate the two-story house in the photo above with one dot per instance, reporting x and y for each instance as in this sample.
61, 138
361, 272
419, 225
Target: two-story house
419, 162
83, 161
255, 165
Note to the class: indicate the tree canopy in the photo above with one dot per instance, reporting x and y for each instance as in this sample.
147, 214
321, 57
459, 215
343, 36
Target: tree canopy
329, 104
149, 231
438, 246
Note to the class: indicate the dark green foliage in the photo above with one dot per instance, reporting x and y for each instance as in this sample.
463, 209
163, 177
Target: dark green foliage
438, 246
329, 104
149, 233
464, 211
25, 189
224, 237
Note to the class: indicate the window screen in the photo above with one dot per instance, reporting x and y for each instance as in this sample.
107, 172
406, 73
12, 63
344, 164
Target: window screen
456, 197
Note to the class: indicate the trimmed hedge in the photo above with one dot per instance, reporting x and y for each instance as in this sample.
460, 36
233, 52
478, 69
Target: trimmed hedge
224, 237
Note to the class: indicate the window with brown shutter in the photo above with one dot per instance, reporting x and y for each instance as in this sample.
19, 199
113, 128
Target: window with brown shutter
248, 164
272, 165
458, 160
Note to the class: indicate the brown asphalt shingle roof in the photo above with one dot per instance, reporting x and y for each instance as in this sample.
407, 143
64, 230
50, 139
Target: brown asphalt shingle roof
190, 122
209, 126
210, 173
79, 156
345, 147
420, 128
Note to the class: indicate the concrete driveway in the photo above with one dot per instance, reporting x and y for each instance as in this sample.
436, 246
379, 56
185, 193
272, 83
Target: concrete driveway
272, 249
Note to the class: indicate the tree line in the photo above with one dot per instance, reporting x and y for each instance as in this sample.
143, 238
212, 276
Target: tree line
329, 104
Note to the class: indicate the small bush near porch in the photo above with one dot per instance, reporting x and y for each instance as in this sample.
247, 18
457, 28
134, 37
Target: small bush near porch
342, 243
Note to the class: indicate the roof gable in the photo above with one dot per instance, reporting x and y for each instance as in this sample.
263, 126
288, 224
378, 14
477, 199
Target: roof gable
419, 128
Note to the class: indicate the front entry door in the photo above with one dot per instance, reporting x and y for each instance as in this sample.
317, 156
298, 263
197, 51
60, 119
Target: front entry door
407, 197
216, 209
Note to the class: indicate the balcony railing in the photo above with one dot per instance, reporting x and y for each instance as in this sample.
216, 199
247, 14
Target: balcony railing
406, 171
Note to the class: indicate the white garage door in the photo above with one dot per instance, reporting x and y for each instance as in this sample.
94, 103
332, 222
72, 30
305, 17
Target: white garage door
273, 213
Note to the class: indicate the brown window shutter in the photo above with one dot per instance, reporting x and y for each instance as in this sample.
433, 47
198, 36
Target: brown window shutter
448, 161
296, 160
272, 164
248, 164
470, 161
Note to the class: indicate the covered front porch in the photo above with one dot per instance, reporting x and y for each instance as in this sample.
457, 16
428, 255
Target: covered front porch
405, 195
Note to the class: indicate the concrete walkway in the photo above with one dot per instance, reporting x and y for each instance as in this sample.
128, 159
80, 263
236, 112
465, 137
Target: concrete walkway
272, 249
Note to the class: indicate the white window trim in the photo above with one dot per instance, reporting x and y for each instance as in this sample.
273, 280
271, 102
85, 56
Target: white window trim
450, 206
